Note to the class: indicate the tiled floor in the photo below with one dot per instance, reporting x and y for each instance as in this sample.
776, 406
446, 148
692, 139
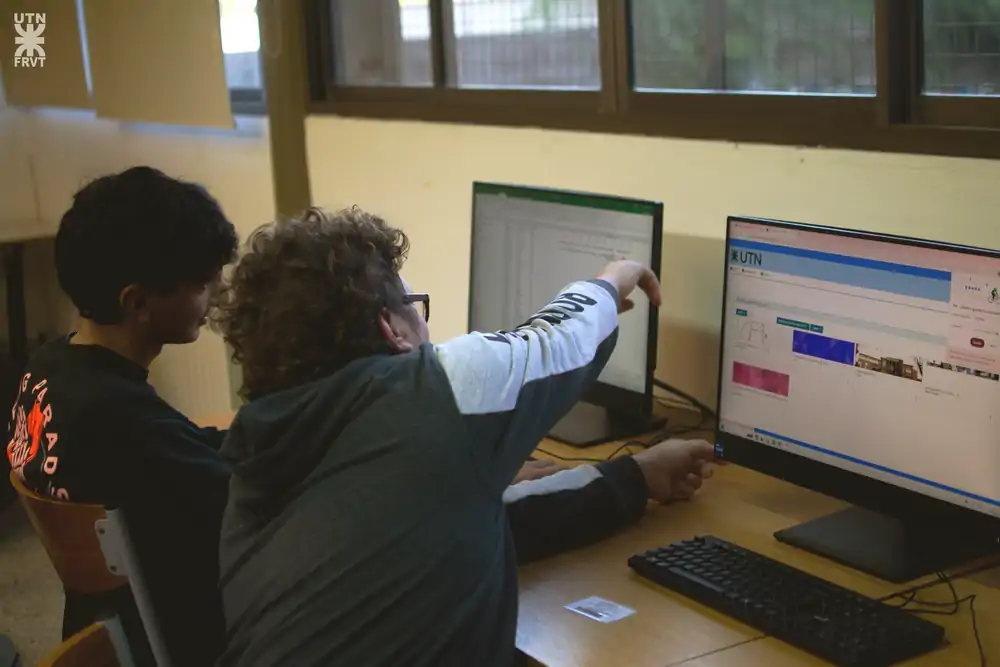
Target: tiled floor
30, 595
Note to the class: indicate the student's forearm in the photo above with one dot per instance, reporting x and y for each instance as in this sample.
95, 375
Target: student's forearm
574, 508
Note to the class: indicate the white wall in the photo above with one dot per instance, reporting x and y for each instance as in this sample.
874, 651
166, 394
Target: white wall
45, 156
419, 176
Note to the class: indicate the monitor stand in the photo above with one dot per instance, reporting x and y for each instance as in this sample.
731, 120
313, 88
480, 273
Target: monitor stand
886, 547
587, 425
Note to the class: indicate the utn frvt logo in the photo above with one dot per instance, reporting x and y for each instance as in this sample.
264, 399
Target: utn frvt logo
28, 40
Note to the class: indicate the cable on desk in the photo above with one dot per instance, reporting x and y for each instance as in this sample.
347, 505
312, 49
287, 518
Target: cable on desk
960, 574
669, 431
625, 446
666, 433
571, 459
706, 412
925, 607
588, 459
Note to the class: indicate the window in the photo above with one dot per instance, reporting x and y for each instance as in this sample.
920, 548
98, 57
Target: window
960, 45
961, 40
241, 52
525, 44
769, 46
486, 43
381, 43
897, 75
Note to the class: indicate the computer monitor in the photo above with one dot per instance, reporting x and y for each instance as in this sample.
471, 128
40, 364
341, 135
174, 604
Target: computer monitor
867, 367
529, 243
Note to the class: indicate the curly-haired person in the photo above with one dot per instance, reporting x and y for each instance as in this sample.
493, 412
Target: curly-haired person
139, 254
366, 523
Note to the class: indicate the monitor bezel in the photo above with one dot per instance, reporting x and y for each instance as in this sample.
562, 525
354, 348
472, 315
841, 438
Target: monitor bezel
617, 400
904, 504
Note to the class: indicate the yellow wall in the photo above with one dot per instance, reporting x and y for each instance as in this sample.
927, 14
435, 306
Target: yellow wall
55, 152
419, 176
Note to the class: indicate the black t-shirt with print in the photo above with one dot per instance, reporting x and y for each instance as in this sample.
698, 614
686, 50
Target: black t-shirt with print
88, 427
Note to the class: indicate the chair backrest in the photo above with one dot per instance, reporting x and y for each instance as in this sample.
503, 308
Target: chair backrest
91, 647
67, 530
121, 557
90, 548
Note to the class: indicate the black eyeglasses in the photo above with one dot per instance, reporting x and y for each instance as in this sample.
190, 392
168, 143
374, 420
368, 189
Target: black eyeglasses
424, 300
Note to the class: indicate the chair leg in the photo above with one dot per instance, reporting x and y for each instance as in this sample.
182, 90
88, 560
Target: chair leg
8, 654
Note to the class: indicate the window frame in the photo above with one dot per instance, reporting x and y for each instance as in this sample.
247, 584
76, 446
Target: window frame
897, 119
440, 101
944, 111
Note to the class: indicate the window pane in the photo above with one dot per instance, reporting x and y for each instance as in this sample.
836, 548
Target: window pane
526, 44
382, 43
767, 46
962, 47
241, 43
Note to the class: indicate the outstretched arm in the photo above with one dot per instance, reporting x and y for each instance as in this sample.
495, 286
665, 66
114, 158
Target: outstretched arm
512, 387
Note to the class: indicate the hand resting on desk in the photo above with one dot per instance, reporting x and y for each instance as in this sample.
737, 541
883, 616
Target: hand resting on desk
675, 469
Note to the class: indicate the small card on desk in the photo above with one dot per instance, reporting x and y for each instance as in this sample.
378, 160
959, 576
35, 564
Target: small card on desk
601, 610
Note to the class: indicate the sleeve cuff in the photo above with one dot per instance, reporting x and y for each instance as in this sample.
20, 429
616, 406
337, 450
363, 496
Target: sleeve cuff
624, 474
608, 287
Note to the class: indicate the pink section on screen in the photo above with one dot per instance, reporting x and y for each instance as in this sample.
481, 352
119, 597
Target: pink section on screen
761, 378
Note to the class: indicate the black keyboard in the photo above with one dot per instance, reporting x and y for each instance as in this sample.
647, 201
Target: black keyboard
833, 623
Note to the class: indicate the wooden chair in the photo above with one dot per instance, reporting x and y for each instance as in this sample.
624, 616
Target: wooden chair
91, 551
67, 531
91, 647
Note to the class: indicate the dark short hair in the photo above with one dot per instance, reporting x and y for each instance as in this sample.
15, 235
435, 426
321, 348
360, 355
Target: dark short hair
139, 227
304, 299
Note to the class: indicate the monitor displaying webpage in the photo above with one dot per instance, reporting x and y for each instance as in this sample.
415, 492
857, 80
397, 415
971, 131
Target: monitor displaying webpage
873, 356
528, 244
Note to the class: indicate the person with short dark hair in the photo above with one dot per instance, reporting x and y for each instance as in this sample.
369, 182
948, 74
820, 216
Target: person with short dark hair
366, 522
139, 254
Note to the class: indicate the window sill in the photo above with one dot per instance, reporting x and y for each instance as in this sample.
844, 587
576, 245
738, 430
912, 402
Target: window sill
847, 123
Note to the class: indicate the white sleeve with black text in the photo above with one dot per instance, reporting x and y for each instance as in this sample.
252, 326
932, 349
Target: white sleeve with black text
512, 387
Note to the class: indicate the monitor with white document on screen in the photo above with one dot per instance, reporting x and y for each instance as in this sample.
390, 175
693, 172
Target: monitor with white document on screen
529, 243
867, 367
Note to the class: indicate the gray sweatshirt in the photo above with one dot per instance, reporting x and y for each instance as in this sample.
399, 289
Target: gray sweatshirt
366, 525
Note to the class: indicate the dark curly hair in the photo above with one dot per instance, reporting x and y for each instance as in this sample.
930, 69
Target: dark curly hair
139, 227
304, 299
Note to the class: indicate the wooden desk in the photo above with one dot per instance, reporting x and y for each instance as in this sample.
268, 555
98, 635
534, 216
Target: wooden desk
667, 629
738, 505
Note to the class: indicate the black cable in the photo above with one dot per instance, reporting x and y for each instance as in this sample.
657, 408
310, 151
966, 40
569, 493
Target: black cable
706, 412
591, 459
975, 630
642, 444
927, 608
572, 459
666, 433
625, 446
960, 574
